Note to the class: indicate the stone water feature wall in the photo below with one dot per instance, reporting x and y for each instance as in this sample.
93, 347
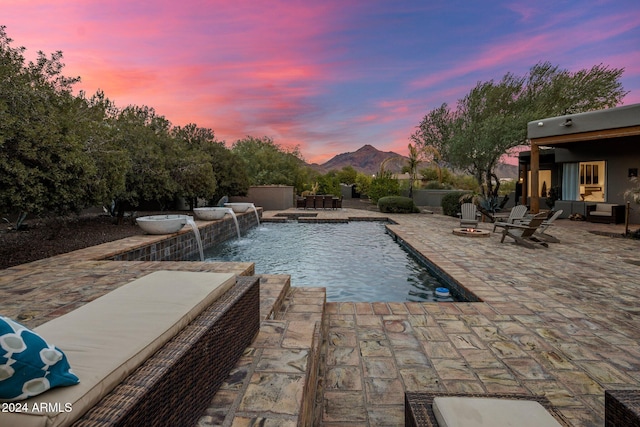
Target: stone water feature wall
183, 246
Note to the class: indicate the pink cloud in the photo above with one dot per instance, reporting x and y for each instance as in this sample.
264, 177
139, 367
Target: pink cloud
529, 47
236, 71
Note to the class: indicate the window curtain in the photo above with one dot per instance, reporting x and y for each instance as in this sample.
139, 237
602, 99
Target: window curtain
570, 177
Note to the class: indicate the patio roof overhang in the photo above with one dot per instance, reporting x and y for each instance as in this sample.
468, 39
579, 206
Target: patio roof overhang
606, 124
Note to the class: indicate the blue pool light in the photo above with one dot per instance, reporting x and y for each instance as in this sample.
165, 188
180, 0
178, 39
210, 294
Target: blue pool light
442, 292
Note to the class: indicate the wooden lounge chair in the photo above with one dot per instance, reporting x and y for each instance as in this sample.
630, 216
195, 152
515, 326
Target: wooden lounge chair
542, 229
524, 234
468, 215
516, 215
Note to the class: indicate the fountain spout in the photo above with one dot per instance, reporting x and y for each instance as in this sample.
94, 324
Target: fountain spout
196, 232
256, 212
235, 219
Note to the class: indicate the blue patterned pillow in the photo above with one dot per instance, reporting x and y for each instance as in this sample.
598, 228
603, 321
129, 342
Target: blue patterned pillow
28, 364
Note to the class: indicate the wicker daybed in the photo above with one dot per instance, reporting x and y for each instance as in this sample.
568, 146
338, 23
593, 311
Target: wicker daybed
175, 382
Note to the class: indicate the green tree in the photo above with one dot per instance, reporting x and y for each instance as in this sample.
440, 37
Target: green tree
489, 121
347, 175
146, 138
492, 119
383, 185
229, 170
433, 135
329, 183
44, 167
111, 161
363, 183
193, 169
268, 163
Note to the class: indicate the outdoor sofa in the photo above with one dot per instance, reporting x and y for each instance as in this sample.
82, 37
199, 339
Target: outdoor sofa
606, 213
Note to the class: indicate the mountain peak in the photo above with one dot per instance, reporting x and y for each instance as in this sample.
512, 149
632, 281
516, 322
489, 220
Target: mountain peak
366, 159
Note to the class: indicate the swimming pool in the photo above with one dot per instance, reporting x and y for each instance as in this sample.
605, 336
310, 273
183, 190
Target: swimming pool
356, 261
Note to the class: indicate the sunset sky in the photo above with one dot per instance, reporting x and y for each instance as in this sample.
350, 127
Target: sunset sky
329, 75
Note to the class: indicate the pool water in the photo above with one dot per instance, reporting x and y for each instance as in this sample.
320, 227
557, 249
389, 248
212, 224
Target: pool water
356, 261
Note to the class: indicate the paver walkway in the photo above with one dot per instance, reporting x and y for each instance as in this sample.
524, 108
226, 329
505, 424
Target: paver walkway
561, 322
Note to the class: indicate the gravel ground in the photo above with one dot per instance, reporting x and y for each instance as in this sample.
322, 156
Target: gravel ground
43, 238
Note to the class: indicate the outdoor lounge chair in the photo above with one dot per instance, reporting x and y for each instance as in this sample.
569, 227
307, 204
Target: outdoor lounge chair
541, 232
524, 234
542, 229
515, 216
468, 215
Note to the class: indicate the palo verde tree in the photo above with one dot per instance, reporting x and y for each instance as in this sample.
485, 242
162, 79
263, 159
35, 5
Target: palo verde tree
492, 119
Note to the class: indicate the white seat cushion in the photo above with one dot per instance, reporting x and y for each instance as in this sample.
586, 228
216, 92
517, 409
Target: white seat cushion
108, 338
490, 412
604, 207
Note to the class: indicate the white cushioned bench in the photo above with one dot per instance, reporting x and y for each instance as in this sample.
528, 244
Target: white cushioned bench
107, 339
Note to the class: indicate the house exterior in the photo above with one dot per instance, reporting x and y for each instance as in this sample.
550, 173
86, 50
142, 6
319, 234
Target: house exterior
584, 158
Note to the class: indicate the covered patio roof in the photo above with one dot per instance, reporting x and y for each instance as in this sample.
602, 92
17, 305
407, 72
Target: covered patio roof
594, 125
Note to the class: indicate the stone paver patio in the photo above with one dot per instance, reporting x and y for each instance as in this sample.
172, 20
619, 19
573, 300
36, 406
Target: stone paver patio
562, 322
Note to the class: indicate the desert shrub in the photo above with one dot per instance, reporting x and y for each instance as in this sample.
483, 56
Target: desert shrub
451, 203
397, 204
383, 185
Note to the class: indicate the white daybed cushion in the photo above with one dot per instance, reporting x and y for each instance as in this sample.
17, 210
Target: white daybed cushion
108, 338
490, 412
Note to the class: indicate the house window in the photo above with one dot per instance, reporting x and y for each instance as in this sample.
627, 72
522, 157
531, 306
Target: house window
592, 181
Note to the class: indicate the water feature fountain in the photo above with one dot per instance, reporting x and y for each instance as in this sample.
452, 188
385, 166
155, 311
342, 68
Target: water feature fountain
196, 232
169, 224
235, 219
243, 207
214, 213
161, 224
